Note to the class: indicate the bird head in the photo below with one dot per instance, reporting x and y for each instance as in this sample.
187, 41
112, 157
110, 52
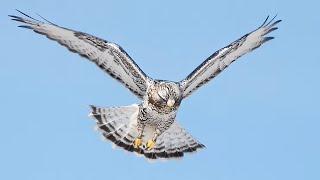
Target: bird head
165, 95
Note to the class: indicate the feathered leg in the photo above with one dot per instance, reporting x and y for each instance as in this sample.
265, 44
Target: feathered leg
161, 127
138, 141
141, 124
152, 142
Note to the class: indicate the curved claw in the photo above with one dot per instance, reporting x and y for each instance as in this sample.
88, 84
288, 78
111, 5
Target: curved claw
137, 143
150, 144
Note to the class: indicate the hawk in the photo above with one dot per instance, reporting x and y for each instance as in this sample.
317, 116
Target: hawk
149, 128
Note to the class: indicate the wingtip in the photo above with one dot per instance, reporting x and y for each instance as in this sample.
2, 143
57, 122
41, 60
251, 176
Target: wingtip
202, 146
268, 22
14, 17
26, 15
18, 10
265, 39
45, 19
17, 19
22, 12
278, 21
25, 26
271, 29
264, 22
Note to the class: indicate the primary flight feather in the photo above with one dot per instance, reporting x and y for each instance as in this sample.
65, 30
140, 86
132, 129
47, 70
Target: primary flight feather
150, 127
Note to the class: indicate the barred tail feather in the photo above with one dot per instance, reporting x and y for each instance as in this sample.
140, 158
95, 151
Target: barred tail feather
117, 124
173, 143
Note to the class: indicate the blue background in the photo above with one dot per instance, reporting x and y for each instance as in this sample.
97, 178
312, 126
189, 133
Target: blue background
259, 119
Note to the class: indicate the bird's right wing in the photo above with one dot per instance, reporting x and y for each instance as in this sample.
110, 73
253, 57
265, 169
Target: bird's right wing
110, 57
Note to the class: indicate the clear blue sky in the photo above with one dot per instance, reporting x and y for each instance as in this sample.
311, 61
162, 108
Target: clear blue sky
259, 119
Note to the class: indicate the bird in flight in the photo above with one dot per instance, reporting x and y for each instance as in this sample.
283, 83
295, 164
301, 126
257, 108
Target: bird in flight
149, 128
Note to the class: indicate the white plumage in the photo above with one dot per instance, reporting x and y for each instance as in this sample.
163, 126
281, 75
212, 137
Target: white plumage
119, 125
222, 58
149, 128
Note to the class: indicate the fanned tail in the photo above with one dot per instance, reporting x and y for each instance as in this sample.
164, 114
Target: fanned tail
119, 125
173, 143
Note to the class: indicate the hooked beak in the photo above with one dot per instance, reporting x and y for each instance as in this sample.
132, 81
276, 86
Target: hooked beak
170, 102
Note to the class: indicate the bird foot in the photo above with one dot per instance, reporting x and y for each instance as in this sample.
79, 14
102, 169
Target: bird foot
137, 143
150, 144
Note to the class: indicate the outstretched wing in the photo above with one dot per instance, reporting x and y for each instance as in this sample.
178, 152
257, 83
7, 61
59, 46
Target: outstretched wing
222, 58
110, 57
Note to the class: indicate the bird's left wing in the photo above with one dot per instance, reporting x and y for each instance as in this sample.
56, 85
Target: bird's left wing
110, 57
222, 58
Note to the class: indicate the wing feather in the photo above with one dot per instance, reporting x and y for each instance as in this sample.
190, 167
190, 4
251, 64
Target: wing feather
222, 58
109, 56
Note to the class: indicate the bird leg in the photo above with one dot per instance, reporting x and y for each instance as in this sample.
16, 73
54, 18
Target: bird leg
152, 142
138, 141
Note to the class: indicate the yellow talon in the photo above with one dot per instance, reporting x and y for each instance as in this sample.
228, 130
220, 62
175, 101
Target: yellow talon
150, 144
137, 143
